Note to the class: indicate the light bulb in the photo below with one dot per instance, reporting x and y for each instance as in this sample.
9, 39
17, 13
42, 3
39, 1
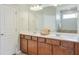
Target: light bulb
36, 8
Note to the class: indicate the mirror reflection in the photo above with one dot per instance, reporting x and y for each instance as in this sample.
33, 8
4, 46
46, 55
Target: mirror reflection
67, 20
60, 18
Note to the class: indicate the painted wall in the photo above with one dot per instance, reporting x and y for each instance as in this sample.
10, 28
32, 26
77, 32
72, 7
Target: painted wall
78, 18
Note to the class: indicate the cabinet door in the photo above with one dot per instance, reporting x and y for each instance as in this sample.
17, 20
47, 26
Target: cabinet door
34, 38
59, 50
44, 49
23, 45
28, 37
53, 42
32, 47
40, 39
67, 44
77, 48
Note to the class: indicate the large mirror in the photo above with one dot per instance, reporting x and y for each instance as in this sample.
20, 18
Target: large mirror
66, 19
62, 18
43, 18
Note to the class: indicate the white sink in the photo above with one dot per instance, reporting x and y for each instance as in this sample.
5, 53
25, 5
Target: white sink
69, 37
65, 36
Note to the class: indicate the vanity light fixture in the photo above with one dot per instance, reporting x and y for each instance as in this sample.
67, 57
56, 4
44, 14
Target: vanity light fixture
36, 7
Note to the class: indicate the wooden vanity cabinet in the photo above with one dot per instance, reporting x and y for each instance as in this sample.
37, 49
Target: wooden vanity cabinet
46, 46
44, 49
59, 50
23, 43
40, 39
65, 48
53, 42
67, 44
34, 38
28, 37
76, 48
22, 36
32, 46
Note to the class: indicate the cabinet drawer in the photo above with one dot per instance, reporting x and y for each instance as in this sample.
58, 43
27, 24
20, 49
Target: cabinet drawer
27, 37
59, 50
22, 36
53, 41
34, 38
67, 44
40, 39
44, 49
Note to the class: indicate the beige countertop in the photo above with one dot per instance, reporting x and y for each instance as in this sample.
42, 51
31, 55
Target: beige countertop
56, 35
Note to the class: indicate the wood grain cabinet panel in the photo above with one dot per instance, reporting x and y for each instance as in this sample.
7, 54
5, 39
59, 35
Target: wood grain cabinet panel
27, 37
67, 44
40, 39
23, 45
46, 46
53, 41
44, 49
32, 47
59, 50
34, 38
22, 36
76, 48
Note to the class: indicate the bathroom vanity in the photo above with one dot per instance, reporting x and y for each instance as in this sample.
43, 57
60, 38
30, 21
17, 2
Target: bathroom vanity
53, 44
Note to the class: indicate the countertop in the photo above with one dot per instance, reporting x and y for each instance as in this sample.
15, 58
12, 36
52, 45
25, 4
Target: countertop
56, 35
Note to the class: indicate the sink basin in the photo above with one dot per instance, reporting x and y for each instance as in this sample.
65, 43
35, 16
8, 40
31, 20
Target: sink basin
65, 36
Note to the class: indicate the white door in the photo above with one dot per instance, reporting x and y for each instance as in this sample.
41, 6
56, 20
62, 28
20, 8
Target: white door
8, 34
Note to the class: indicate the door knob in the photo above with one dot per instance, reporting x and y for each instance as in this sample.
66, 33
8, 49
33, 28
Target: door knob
1, 34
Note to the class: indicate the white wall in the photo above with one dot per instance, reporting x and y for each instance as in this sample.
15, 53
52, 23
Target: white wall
78, 18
